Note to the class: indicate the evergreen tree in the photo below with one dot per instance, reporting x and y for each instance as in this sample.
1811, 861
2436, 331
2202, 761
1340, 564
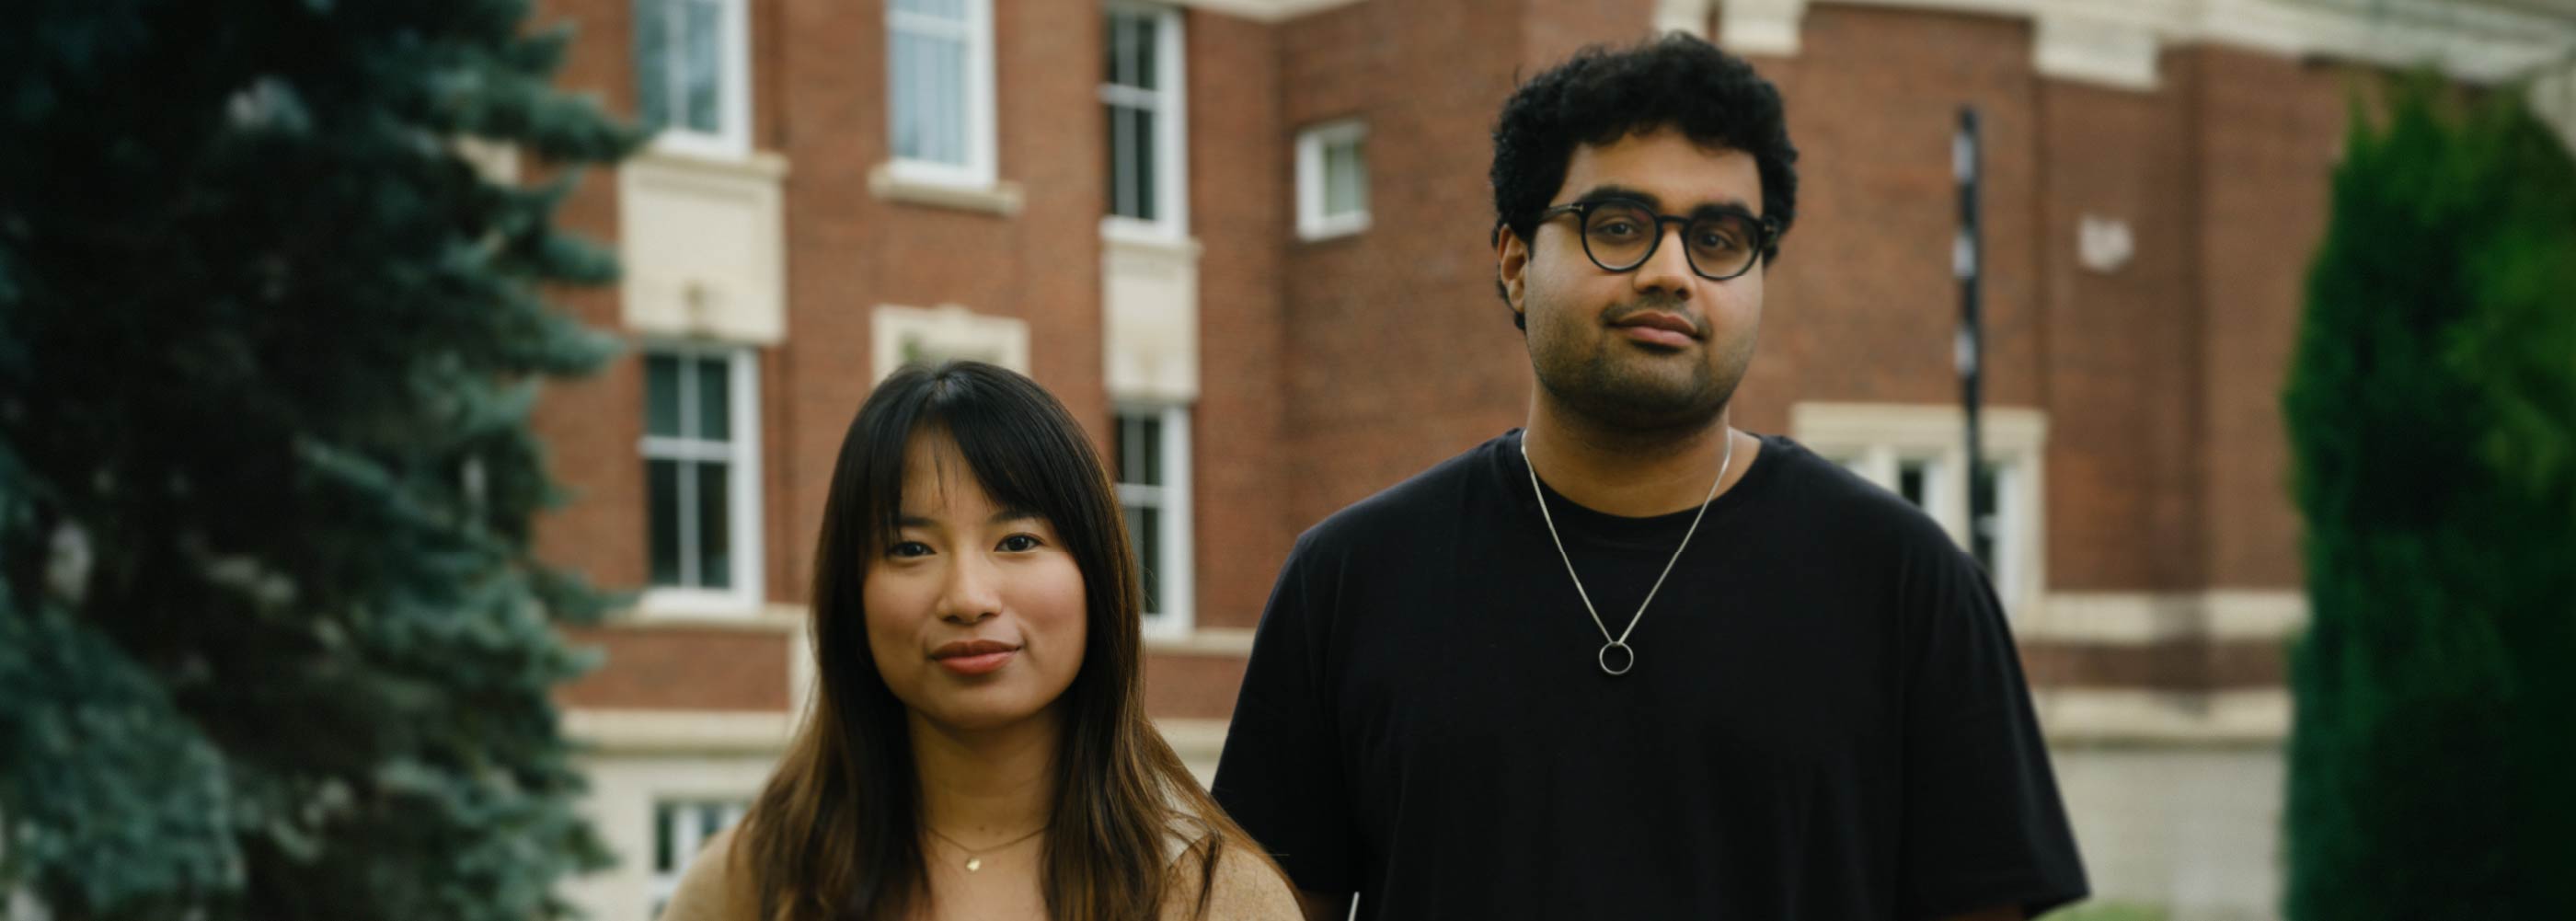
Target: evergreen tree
272, 641
2432, 417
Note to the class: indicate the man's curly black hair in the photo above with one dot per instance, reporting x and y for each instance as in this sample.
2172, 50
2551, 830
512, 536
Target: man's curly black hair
1603, 94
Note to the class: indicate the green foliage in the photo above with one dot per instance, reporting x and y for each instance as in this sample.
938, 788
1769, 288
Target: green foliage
272, 640
2432, 415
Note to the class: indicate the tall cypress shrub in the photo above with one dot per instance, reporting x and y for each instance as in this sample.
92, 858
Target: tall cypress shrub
2431, 410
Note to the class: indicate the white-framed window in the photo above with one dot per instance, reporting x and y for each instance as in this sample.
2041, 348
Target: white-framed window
1332, 180
693, 74
1154, 488
1919, 453
680, 830
701, 450
1141, 95
939, 88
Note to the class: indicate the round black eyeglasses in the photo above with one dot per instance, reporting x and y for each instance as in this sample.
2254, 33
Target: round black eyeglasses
1620, 235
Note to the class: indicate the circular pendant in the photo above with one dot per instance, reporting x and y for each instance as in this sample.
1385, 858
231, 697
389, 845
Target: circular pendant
974, 863
1627, 658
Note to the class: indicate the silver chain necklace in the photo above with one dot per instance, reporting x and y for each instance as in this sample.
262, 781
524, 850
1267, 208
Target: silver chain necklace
1628, 656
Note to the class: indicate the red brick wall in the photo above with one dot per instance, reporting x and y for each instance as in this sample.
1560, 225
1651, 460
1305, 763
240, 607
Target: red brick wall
682, 668
1863, 304
590, 426
2123, 362
1240, 215
2273, 131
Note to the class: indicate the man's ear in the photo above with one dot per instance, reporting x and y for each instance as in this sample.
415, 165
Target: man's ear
1511, 271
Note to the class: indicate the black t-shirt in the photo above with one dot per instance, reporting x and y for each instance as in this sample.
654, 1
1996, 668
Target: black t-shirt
1826, 718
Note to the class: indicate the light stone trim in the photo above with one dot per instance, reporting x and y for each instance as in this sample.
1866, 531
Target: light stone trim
1266, 11
680, 732
1199, 742
770, 618
1001, 197
1150, 292
2091, 49
2117, 42
1204, 641
946, 331
1689, 17
2145, 618
1768, 27
2108, 716
703, 240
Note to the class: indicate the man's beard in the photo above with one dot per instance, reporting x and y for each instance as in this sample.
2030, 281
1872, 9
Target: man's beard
1615, 390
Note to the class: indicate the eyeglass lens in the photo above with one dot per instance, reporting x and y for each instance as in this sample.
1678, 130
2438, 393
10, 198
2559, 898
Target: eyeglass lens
1621, 236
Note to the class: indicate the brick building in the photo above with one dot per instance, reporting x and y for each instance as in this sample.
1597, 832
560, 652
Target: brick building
1244, 240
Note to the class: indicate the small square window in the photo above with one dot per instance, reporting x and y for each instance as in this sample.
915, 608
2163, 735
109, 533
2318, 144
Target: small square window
1332, 180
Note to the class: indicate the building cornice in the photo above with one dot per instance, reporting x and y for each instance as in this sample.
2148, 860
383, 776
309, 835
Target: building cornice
2116, 42
1265, 10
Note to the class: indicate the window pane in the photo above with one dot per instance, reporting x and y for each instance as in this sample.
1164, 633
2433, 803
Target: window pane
1150, 444
1982, 533
928, 94
715, 546
1140, 45
715, 422
1345, 184
703, 42
1141, 142
946, 9
1145, 526
661, 395
665, 858
652, 62
662, 519
1128, 457
1912, 481
1122, 164
1140, 450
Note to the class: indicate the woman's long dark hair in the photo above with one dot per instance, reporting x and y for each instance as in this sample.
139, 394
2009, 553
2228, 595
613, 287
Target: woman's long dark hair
836, 834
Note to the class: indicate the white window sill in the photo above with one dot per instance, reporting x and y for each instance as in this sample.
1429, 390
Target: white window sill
1148, 234
1333, 227
668, 604
758, 164
1127, 234
1203, 641
888, 183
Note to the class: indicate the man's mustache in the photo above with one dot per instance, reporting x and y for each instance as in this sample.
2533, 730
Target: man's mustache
1672, 305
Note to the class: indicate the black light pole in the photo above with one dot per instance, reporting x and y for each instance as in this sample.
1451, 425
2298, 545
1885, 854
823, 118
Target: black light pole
1970, 348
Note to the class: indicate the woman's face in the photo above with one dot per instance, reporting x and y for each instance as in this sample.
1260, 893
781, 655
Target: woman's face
974, 613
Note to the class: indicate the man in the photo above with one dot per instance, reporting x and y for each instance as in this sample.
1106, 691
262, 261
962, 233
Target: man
1630, 662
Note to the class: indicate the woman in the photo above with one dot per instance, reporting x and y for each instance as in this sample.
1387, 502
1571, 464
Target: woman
977, 745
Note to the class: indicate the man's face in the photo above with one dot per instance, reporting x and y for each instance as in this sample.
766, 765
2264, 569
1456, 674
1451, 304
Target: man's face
1657, 346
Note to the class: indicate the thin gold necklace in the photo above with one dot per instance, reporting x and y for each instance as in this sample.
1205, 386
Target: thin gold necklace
974, 857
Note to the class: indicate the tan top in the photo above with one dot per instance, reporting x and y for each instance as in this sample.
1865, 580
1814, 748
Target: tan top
1245, 889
